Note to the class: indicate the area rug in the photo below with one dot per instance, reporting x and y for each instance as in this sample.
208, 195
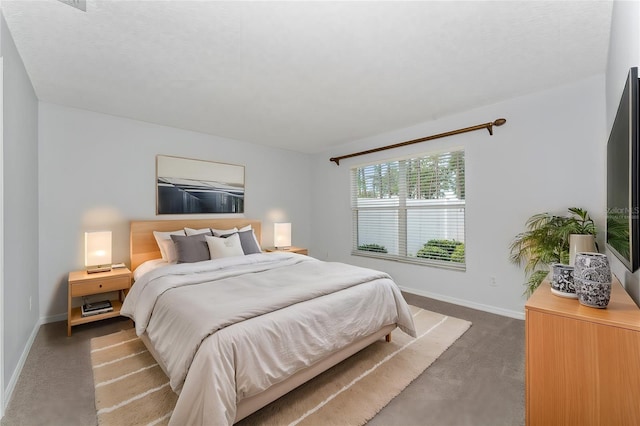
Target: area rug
131, 389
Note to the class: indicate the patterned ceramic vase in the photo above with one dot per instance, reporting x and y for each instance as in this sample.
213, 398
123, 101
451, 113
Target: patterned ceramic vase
592, 293
562, 281
592, 278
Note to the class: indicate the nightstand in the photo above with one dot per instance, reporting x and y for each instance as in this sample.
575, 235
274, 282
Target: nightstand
83, 284
291, 249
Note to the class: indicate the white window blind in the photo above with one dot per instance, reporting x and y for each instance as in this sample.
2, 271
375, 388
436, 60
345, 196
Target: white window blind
411, 210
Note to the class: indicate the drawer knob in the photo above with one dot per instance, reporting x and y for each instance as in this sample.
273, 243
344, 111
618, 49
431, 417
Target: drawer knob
100, 285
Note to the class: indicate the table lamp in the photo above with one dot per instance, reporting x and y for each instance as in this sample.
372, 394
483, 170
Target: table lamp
282, 235
97, 251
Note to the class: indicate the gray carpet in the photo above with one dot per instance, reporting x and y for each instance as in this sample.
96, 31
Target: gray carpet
477, 381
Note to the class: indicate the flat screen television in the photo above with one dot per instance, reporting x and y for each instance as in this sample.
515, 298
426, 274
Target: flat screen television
622, 178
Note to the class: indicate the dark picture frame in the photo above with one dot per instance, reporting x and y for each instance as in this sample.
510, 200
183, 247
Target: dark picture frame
192, 186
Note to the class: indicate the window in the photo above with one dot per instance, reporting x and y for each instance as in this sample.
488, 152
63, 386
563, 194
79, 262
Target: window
411, 210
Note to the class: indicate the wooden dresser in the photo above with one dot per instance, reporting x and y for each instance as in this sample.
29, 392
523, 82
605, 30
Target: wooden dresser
582, 364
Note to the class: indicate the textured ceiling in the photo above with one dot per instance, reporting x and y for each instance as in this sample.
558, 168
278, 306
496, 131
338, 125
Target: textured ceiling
303, 76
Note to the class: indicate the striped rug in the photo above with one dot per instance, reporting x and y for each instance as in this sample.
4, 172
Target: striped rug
131, 389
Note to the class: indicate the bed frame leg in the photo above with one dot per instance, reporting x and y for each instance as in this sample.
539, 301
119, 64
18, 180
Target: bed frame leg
387, 338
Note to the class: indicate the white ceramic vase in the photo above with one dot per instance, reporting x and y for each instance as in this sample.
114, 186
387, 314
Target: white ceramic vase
580, 243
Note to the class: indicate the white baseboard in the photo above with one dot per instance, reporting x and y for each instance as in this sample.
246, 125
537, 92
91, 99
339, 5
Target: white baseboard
53, 318
467, 303
16, 373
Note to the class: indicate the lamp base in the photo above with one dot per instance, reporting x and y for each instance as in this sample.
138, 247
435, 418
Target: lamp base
100, 268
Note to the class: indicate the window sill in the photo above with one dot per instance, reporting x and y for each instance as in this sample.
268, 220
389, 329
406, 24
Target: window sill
412, 260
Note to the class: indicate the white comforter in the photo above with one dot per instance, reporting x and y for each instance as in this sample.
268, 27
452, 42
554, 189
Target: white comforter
216, 324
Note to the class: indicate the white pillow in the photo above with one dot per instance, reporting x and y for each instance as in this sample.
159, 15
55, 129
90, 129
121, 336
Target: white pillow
191, 231
245, 228
224, 247
168, 247
218, 232
167, 250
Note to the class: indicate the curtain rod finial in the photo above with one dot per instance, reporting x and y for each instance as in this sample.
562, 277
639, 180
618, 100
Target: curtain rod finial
335, 160
499, 121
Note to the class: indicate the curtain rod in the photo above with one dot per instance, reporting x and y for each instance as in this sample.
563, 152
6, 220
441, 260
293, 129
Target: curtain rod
488, 126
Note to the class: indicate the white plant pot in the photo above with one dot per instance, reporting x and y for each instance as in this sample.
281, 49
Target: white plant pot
580, 243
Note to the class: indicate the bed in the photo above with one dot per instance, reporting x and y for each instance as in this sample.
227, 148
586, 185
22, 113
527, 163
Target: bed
236, 333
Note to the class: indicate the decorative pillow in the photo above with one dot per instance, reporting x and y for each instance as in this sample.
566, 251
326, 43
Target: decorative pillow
191, 231
169, 249
219, 232
166, 250
192, 248
224, 247
249, 242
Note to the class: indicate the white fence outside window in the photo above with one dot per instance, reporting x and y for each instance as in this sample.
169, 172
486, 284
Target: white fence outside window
402, 205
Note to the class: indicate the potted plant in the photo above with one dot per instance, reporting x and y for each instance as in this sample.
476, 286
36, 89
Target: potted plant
546, 241
583, 233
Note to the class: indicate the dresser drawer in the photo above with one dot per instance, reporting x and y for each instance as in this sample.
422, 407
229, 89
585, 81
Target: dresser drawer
100, 286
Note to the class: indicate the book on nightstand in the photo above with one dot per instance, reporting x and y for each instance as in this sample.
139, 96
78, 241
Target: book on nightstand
96, 308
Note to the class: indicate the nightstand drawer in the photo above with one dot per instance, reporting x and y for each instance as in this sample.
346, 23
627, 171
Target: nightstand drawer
100, 286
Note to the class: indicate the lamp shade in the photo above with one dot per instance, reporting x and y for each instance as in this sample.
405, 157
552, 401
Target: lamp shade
282, 234
97, 248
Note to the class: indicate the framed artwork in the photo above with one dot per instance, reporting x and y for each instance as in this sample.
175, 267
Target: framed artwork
188, 186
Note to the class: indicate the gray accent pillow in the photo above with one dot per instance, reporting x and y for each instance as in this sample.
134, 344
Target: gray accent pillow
247, 241
191, 249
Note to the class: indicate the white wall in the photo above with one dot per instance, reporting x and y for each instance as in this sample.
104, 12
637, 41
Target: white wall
624, 53
20, 211
2, 403
548, 156
98, 171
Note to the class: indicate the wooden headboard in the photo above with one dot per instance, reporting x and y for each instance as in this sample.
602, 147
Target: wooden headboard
143, 246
